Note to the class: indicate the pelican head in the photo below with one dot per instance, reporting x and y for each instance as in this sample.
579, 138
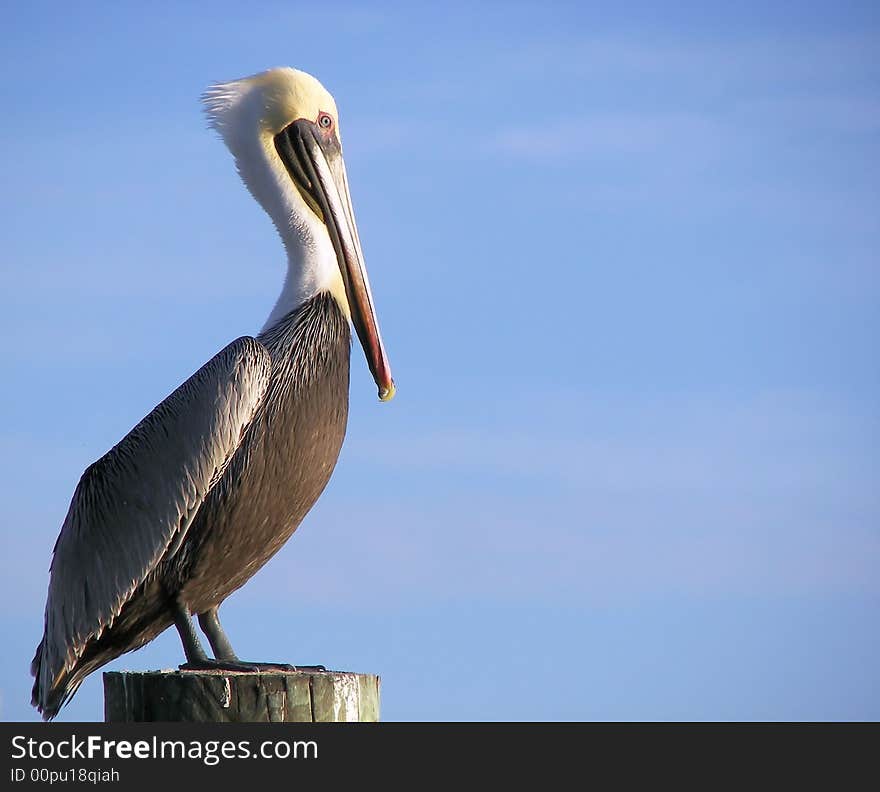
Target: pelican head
282, 128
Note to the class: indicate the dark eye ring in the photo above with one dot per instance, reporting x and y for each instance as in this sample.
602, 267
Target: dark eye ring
324, 121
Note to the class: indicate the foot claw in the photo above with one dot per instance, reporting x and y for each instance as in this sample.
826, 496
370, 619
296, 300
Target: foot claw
246, 667
218, 665
286, 667
274, 667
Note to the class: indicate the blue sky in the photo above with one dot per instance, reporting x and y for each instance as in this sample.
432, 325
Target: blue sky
626, 267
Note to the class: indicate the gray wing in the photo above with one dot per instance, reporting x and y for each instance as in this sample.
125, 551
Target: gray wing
135, 501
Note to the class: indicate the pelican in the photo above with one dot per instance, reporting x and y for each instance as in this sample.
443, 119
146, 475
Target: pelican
201, 493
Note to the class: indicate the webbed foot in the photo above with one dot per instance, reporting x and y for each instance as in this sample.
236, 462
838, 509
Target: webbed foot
247, 667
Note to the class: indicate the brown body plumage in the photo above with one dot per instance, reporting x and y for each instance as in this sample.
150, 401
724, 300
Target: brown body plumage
282, 464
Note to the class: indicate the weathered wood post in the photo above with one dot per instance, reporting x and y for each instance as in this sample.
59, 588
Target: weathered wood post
243, 697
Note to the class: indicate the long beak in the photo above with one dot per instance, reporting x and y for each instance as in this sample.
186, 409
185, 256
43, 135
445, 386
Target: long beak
316, 165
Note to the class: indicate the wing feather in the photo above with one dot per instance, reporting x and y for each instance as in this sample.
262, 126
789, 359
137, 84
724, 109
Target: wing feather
136, 501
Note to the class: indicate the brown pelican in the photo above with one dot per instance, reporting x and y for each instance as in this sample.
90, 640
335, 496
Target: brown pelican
208, 486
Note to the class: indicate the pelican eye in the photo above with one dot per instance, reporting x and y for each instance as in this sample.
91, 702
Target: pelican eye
325, 121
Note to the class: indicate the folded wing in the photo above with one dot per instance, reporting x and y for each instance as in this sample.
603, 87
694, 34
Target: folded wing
135, 502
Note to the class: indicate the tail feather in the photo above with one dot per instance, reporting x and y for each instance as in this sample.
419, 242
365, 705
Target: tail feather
58, 674
49, 697
44, 700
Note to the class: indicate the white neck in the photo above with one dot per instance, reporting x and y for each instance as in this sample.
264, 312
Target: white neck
311, 260
308, 273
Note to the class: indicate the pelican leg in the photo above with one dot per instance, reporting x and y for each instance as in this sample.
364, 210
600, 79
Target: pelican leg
192, 646
196, 658
209, 621
226, 659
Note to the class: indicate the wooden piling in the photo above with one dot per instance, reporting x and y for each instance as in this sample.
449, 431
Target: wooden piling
240, 697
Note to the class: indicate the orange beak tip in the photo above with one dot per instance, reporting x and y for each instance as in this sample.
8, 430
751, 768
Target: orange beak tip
387, 394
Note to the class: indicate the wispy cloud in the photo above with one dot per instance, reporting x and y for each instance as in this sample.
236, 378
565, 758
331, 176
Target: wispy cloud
617, 134
709, 60
695, 136
769, 496
486, 549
